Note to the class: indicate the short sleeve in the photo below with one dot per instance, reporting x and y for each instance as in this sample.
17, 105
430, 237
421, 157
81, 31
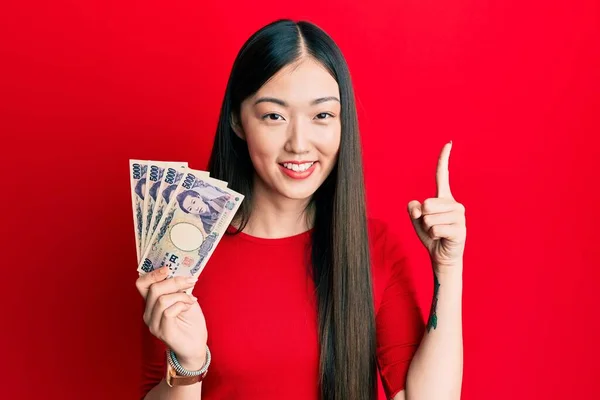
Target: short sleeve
399, 322
153, 361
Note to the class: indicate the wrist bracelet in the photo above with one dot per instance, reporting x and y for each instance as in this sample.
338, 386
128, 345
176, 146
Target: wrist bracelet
184, 372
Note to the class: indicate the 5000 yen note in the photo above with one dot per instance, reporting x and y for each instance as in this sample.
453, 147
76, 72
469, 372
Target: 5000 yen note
154, 182
137, 179
171, 182
191, 227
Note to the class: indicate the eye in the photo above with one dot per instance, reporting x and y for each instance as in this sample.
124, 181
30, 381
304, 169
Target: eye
273, 117
324, 115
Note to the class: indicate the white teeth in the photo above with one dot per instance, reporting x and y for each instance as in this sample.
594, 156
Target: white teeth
298, 167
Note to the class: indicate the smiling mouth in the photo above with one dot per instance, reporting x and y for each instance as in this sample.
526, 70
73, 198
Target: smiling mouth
297, 167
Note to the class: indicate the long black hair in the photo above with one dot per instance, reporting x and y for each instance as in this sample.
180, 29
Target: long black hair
339, 249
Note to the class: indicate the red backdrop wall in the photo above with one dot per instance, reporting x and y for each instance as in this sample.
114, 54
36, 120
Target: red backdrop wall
87, 85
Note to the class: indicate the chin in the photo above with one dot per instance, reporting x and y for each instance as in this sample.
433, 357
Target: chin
297, 191
298, 194
301, 197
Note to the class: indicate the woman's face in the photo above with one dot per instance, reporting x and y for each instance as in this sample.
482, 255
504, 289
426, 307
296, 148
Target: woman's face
292, 127
194, 205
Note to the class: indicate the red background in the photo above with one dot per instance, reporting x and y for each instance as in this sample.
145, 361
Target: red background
86, 85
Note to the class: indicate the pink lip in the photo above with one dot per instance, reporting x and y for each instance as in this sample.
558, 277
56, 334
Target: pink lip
298, 174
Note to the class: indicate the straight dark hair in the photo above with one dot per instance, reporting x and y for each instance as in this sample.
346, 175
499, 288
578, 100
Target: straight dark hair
340, 247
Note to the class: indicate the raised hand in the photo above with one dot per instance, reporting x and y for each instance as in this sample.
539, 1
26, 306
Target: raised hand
440, 221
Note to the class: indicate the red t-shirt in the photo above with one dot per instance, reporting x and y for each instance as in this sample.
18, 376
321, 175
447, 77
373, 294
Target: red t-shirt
260, 308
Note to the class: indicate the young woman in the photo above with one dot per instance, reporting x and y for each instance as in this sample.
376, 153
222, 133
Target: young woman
307, 298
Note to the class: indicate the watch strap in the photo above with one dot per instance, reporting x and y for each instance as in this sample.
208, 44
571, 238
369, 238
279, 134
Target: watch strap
173, 379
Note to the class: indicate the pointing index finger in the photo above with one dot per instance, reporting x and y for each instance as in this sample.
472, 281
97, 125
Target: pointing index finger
443, 175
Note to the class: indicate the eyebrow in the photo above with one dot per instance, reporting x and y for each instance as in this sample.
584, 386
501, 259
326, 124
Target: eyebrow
284, 104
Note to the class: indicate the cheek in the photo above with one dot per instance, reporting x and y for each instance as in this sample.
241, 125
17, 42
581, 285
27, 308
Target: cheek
262, 145
328, 141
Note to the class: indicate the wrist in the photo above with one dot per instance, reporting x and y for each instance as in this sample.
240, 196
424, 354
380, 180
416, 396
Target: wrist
178, 374
192, 363
449, 274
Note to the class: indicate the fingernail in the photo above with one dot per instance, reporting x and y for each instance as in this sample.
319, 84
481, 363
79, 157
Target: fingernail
193, 297
191, 280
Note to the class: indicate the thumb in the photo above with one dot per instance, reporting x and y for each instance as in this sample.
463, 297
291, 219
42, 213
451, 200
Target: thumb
415, 213
144, 282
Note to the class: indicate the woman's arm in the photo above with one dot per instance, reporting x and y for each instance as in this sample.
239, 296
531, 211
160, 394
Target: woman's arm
162, 391
435, 372
174, 320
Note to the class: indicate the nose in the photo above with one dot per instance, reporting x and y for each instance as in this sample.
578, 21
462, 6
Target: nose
298, 141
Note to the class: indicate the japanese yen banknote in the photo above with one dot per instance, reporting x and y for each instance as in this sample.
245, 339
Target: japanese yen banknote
179, 215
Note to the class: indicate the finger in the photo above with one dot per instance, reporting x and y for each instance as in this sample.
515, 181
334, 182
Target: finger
144, 282
414, 209
163, 303
443, 175
453, 232
152, 316
436, 205
414, 212
430, 220
175, 310
170, 314
167, 286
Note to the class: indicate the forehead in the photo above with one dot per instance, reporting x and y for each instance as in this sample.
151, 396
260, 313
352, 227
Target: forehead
300, 82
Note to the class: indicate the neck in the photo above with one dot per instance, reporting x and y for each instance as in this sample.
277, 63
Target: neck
274, 216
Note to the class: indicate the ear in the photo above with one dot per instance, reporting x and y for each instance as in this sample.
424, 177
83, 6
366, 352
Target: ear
237, 127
